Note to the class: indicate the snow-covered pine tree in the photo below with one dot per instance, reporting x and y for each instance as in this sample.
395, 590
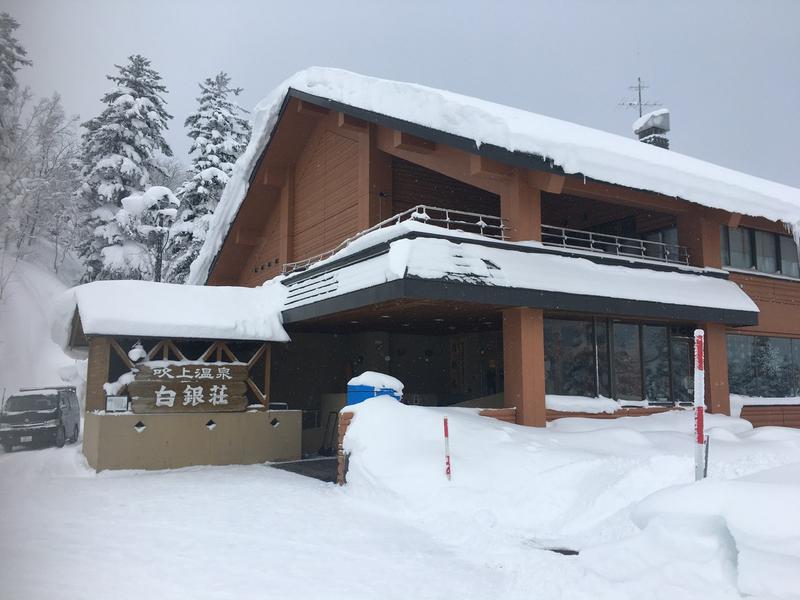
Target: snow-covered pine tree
12, 163
219, 135
119, 154
12, 57
141, 228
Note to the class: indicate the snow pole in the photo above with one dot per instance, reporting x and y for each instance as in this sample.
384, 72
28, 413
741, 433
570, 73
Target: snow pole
699, 405
446, 450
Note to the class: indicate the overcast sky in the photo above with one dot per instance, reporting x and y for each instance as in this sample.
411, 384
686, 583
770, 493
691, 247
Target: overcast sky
728, 70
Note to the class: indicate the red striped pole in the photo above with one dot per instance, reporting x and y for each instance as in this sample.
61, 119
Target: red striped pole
446, 450
699, 404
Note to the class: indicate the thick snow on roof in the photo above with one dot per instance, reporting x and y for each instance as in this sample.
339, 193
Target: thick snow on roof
656, 118
149, 309
430, 258
575, 148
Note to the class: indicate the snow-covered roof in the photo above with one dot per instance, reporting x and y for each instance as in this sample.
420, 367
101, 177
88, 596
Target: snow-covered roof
576, 149
149, 309
514, 265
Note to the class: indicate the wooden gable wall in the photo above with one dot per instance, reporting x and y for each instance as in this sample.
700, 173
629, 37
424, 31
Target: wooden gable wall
326, 193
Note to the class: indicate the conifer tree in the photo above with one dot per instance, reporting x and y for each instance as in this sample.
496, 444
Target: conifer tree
12, 57
219, 135
119, 154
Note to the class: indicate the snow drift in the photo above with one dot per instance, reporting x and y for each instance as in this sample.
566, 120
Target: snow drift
620, 490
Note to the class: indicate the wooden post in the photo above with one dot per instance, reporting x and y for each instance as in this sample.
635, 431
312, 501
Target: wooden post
717, 393
523, 361
97, 372
374, 178
701, 236
522, 206
267, 372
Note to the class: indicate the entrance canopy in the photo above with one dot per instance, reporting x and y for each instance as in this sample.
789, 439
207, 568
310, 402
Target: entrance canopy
414, 260
164, 310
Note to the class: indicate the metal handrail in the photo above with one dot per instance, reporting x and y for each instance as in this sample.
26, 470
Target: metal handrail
486, 225
614, 244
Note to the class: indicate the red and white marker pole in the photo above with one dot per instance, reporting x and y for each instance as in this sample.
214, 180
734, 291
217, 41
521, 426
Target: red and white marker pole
446, 450
699, 404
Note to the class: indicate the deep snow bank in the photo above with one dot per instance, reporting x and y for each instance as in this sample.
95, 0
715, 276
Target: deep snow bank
589, 484
756, 515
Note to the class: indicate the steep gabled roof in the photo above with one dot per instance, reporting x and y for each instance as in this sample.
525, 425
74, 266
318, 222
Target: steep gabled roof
506, 134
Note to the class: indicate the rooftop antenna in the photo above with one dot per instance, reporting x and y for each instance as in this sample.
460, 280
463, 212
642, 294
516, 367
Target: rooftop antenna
638, 102
652, 126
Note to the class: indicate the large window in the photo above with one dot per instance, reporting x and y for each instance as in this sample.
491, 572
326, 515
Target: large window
618, 359
763, 251
627, 361
569, 357
763, 366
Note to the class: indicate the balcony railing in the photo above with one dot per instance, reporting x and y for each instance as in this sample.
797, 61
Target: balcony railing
614, 244
458, 220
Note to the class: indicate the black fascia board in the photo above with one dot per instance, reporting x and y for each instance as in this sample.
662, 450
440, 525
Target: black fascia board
445, 290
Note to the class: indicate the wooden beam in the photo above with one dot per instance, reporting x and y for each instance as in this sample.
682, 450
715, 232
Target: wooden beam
349, 123
176, 350
97, 373
546, 182
411, 143
231, 356
274, 177
267, 372
207, 354
121, 353
254, 388
311, 110
251, 363
606, 192
521, 206
155, 350
481, 166
734, 220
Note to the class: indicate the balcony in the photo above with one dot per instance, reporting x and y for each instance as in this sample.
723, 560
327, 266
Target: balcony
490, 226
589, 241
495, 227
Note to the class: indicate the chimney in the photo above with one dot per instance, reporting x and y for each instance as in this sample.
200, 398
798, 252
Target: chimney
652, 128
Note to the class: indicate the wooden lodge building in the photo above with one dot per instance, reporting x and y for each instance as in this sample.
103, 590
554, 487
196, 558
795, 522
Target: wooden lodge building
487, 257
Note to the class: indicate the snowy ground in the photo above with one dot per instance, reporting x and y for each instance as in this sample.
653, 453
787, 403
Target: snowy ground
620, 492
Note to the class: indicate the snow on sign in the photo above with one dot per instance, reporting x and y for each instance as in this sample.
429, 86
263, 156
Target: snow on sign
167, 387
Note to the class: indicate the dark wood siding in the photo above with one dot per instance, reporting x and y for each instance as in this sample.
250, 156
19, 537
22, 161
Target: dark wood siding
412, 185
777, 415
263, 261
326, 194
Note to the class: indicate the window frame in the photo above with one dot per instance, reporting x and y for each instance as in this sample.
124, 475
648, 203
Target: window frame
725, 252
607, 325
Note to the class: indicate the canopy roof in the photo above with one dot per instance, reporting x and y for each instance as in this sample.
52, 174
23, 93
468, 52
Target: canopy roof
165, 310
415, 260
516, 136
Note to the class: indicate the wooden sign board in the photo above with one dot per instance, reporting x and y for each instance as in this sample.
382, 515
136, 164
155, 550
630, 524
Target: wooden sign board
173, 387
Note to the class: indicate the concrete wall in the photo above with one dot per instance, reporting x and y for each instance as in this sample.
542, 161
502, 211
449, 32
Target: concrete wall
181, 440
